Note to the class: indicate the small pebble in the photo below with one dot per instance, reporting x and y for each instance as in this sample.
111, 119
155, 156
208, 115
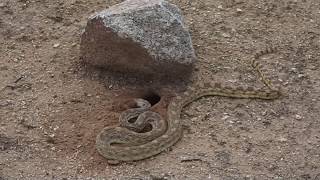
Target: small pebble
282, 139
56, 45
225, 117
239, 10
298, 117
231, 122
294, 70
189, 158
2, 5
225, 35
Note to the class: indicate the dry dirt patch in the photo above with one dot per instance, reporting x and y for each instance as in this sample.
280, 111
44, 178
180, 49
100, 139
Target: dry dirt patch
51, 107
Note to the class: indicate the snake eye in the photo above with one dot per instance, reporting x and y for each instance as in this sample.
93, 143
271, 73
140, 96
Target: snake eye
152, 97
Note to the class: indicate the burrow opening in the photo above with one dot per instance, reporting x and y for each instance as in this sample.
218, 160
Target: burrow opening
152, 97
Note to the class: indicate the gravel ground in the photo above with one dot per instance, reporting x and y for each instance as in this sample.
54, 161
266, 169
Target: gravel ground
52, 107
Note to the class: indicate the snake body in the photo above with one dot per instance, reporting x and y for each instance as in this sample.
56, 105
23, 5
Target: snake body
172, 133
127, 143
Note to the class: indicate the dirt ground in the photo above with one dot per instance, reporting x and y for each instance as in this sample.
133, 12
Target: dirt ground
52, 107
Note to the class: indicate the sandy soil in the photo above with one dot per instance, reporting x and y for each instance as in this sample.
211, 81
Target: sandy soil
52, 107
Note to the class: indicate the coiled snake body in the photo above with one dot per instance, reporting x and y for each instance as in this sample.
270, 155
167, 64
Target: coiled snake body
128, 143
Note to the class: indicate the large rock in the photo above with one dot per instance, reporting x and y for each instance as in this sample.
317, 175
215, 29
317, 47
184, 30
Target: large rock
145, 36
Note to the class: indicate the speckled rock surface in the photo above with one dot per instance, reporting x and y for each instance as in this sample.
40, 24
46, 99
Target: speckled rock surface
146, 36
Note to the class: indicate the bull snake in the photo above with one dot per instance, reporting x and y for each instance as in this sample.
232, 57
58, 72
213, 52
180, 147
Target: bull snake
127, 143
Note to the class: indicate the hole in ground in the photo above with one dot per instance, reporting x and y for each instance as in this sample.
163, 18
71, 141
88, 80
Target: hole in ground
152, 97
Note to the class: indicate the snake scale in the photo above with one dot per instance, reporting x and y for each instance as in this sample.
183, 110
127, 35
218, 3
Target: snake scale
126, 143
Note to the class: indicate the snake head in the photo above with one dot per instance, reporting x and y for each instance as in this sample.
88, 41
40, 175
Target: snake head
141, 103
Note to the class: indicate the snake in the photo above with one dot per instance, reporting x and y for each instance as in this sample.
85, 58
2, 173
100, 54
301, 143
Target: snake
128, 142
